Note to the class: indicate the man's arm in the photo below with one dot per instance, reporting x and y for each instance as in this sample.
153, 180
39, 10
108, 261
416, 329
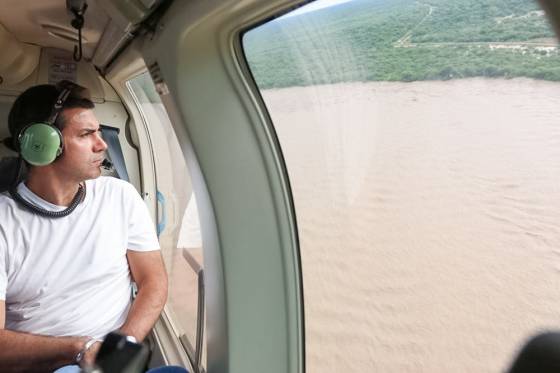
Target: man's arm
148, 271
22, 352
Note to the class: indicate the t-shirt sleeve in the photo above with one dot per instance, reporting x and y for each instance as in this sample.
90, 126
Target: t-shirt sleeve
141, 231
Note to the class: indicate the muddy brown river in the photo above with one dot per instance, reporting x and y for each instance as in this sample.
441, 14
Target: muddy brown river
429, 217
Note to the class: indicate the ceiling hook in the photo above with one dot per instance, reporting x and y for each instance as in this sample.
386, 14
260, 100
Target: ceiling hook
78, 48
78, 9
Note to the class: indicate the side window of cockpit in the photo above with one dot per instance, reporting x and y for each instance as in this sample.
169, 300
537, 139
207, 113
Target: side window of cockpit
178, 224
422, 144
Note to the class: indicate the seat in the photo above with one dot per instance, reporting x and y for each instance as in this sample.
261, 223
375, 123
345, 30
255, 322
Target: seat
8, 162
8, 170
8, 157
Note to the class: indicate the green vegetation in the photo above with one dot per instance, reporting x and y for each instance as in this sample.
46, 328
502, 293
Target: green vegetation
404, 40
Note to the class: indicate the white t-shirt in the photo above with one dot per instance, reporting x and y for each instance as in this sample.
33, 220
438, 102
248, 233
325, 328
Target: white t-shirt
70, 276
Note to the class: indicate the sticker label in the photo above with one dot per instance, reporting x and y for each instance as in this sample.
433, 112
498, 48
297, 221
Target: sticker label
62, 67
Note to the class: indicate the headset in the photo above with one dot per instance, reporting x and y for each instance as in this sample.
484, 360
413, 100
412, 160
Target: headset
40, 143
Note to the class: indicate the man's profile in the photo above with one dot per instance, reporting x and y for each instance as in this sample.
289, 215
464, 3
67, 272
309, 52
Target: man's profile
71, 241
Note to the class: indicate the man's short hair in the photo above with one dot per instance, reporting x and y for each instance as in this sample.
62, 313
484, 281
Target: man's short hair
36, 104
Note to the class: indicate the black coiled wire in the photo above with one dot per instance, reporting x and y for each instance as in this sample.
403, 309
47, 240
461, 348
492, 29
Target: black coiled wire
79, 197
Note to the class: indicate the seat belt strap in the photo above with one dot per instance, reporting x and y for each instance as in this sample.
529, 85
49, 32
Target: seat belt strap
111, 137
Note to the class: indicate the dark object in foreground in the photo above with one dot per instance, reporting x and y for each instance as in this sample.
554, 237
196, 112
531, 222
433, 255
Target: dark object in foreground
120, 354
540, 355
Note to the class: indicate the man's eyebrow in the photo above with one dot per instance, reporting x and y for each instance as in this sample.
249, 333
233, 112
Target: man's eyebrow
90, 130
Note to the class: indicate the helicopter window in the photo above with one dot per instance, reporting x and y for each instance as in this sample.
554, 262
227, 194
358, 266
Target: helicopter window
422, 145
178, 223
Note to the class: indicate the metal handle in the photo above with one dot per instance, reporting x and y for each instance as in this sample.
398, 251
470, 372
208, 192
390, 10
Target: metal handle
163, 219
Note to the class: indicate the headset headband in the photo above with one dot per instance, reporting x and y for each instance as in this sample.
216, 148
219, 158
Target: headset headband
62, 97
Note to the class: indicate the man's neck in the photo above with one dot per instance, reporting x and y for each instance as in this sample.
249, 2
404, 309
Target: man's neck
45, 184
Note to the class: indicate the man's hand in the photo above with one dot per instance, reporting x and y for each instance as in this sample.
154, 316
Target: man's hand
90, 355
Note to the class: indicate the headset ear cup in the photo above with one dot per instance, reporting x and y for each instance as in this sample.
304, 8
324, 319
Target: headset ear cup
40, 144
61, 143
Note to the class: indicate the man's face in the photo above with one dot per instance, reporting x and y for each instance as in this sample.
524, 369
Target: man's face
84, 149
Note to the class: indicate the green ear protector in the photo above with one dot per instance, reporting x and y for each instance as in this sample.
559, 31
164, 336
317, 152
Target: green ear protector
41, 143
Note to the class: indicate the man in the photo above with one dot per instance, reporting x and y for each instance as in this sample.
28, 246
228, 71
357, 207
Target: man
66, 281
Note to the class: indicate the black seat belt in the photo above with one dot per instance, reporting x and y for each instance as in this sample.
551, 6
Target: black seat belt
111, 137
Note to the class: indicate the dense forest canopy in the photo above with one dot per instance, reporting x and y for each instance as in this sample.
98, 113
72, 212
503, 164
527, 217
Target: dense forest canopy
404, 40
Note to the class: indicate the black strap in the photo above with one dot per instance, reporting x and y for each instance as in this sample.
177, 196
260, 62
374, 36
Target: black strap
57, 107
9, 171
111, 137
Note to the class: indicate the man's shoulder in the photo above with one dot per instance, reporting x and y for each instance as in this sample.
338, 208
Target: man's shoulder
6, 200
109, 184
8, 207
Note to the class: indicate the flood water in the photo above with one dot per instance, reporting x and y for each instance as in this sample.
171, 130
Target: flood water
429, 217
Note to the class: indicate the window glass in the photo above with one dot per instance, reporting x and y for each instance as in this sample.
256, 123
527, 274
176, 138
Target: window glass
178, 223
422, 141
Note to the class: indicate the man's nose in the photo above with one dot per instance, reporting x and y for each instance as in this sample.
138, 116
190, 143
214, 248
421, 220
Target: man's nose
100, 145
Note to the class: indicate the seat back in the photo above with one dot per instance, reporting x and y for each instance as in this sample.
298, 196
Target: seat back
8, 172
8, 158
5, 105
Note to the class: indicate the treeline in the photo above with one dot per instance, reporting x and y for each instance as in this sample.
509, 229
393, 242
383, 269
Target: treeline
366, 40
